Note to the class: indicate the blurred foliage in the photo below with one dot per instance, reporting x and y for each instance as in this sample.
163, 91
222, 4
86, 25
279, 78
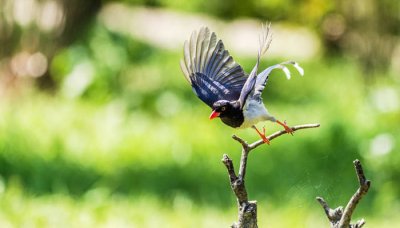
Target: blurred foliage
368, 30
120, 135
306, 11
30, 27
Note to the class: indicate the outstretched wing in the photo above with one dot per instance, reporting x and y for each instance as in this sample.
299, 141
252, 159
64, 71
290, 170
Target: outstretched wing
255, 83
262, 78
209, 68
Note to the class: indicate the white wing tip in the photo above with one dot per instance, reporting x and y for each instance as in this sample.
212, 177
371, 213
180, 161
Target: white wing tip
287, 72
295, 65
298, 68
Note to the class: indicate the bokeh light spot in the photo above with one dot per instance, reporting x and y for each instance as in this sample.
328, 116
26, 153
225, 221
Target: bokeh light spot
382, 144
37, 64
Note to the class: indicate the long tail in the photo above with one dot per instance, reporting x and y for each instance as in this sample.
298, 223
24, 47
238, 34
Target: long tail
265, 40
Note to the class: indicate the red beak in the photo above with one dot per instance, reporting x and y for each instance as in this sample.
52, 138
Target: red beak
214, 114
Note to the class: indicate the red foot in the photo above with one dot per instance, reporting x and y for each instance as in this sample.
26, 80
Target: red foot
262, 135
288, 129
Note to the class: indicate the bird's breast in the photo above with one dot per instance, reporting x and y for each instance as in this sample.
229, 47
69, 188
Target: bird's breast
254, 112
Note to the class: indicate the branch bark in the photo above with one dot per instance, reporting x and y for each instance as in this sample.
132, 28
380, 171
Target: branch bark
340, 218
247, 210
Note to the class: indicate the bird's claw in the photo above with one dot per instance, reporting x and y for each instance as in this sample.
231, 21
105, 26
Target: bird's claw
288, 129
265, 139
262, 135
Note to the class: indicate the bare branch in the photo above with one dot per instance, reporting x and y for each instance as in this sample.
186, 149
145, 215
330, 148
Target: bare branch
229, 166
341, 219
333, 215
359, 224
243, 163
360, 172
355, 199
324, 205
279, 133
237, 183
241, 141
248, 209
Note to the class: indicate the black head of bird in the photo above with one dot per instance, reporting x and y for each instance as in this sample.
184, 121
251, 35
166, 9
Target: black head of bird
221, 83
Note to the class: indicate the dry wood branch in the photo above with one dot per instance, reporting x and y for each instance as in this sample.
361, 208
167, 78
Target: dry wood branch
279, 133
340, 218
248, 209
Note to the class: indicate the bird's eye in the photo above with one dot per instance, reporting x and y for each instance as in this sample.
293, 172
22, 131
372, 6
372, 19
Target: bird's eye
223, 108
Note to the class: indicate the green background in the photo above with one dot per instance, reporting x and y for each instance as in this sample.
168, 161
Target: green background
110, 134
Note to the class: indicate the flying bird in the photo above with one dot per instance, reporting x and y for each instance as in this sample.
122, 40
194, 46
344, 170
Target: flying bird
221, 83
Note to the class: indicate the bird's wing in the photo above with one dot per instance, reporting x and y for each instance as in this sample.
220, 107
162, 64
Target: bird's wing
255, 84
262, 78
209, 68
265, 42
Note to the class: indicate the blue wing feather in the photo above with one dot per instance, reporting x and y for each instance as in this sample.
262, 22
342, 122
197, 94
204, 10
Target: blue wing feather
210, 91
209, 68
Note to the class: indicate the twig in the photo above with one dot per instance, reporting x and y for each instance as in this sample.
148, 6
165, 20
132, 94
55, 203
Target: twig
341, 219
279, 133
241, 141
229, 166
248, 209
355, 199
332, 214
237, 183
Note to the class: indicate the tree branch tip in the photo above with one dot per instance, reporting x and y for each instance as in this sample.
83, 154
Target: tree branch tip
363, 181
360, 223
241, 141
324, 204
357, 165
313, 125
226, 160
237, 138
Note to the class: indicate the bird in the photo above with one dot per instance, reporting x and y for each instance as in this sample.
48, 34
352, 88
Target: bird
233, 95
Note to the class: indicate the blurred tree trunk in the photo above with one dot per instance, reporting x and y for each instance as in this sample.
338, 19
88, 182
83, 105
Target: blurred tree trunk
78, 15
34, 26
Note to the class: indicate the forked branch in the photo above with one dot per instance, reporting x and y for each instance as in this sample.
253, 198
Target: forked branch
340, 218
248, 209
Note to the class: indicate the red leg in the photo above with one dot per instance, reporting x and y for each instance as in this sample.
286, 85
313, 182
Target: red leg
287, 128
262, 135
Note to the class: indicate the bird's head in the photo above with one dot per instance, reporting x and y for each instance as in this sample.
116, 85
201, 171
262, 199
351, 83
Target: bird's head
221, 108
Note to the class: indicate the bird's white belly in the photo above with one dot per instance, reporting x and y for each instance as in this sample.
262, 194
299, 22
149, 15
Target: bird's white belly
255, 112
